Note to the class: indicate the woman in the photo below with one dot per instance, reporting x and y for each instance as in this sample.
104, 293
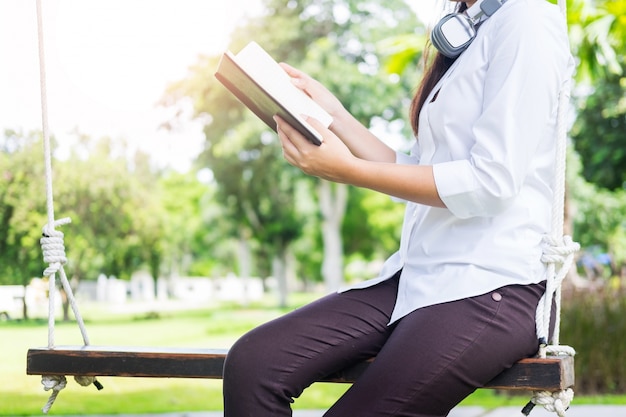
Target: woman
455, 305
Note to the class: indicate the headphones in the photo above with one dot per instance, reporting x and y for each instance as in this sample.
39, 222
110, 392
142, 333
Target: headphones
455, 31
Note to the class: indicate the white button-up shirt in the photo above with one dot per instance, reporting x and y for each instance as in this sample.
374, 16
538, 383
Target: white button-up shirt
490, 135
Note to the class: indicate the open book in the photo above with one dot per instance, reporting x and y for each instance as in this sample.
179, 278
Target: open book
264, 87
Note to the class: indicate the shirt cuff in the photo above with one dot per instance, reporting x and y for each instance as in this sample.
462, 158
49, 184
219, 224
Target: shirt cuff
457, 186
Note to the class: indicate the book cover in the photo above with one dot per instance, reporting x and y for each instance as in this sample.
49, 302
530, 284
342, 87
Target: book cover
257, 80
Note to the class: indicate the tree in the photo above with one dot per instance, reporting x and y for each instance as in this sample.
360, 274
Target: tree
599, 214
116, 216
599, 133
22, 208
193, 226
600, 42
598, 35
336, 42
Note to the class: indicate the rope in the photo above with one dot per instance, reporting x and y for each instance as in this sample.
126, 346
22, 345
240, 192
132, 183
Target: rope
558, 255
54, 383
52, 241
556, 402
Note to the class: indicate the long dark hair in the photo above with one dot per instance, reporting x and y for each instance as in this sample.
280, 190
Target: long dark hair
433, 72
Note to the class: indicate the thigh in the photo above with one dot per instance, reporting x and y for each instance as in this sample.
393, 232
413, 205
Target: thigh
438, 355
281, 358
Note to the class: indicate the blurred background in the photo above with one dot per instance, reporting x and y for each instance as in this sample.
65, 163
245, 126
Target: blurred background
188, 227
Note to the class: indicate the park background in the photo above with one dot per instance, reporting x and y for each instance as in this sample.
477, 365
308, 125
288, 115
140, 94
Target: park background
184, 186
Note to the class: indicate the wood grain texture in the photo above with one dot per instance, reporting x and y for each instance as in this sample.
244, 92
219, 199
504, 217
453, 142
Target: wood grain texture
550, 374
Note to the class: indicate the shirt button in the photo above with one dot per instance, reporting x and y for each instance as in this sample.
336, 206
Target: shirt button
496, 296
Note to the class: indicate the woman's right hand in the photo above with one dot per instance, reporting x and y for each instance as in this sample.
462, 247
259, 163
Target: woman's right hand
359, 140
314, 89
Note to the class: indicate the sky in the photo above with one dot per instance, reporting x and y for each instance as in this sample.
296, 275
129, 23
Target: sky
108, 63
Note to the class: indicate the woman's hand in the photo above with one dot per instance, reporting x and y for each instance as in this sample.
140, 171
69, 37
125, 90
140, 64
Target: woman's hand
331, 160
314, 89
359, 140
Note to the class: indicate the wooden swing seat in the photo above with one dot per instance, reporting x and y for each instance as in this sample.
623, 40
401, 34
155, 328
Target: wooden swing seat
550, 374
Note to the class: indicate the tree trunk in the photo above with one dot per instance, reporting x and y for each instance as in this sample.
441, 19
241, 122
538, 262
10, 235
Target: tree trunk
24, 305
333, 199
244, 256
279, 271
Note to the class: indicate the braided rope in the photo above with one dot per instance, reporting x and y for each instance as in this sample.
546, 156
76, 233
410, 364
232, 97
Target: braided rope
556, 402
558, 255
54, 383
52, 243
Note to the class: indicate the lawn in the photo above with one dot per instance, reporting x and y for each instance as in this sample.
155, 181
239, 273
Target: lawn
216, 327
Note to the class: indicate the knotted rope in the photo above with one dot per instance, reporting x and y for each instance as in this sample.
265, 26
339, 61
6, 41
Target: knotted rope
556, 402
52, 243
558, 255
53, 247
56, 383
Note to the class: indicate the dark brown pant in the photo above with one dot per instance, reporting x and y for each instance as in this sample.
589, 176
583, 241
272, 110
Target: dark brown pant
426, 363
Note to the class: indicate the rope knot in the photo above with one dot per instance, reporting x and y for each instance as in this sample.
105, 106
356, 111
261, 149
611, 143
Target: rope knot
557, 251
85, 381
53, 247
557, 350
556, 402
54, 383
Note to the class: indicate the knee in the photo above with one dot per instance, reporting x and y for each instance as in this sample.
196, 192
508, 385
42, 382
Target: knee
252, 383
245, 361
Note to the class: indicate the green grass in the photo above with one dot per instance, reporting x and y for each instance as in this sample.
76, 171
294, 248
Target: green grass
219, 326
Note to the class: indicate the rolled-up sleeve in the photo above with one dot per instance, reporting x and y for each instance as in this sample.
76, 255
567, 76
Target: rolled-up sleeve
461, 192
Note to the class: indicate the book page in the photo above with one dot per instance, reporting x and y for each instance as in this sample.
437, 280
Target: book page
266, 71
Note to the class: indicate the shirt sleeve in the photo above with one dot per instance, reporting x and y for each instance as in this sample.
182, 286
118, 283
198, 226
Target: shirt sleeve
526, 59
405, 159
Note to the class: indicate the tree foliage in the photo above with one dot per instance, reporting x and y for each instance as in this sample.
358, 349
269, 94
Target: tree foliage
126, 216
600, 133
599, 38
22, 207
337, 42
597, 34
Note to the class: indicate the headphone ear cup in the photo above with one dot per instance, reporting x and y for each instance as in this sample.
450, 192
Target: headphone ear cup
452, 34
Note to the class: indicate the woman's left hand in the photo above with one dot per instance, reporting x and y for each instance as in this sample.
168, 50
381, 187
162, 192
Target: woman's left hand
331, 160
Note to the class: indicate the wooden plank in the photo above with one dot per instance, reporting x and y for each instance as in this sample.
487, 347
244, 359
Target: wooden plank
551, 374
126, 361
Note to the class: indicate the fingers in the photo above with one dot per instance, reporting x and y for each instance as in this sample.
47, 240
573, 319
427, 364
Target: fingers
317, 125
299, 140
300, 79
295, 146
293, 72
288, 134
321, 161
